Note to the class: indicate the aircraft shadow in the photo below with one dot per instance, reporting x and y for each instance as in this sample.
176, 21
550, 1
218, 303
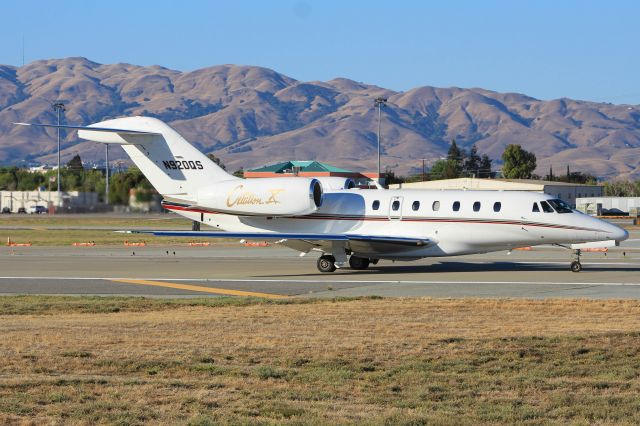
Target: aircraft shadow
458, 267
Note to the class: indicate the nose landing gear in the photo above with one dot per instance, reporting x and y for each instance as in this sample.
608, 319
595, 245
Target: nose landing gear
576, 266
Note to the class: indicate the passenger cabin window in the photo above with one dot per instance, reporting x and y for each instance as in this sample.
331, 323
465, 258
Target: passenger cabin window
535, 208
497, 206
375, 205
560, 206
546, 207
415, 206
435, 206
395, 205
476, 206
456, 206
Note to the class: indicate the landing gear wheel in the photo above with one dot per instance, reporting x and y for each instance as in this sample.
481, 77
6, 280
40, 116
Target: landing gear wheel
576, 266
326, 263
358, 263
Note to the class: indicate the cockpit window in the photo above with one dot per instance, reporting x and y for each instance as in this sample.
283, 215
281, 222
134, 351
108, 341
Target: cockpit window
546, 207
535, 208
560, 206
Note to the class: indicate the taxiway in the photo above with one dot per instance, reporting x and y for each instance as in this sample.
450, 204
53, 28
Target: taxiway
231, 269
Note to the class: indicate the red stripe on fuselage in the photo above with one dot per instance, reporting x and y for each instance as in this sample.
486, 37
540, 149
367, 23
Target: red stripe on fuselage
386, 219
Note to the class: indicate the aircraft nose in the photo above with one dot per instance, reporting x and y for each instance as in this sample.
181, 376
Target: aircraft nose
618, 233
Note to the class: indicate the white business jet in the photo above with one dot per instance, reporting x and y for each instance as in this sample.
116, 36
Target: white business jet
343, 223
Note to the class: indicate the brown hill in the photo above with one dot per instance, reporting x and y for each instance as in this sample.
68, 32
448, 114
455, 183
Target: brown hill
251, 116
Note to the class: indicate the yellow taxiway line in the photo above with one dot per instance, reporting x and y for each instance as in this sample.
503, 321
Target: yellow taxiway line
202, 289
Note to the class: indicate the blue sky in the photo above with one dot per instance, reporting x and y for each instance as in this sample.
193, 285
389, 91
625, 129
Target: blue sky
546, 49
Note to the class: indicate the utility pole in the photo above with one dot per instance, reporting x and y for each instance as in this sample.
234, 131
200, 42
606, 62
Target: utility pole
106, 174
379, 103
59, 107
423, 170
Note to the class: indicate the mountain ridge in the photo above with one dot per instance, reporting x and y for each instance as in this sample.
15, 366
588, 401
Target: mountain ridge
251, 116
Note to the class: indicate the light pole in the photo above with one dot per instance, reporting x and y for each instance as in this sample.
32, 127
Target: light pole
58, 107
106, 163
379, 103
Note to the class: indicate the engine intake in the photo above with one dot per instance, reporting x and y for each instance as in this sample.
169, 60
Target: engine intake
336, 183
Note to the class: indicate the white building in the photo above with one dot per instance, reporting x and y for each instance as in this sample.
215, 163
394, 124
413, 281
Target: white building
609, 205
568, 192
75, 201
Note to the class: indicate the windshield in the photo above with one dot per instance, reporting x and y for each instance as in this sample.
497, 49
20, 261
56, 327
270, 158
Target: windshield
560, 206
546, 207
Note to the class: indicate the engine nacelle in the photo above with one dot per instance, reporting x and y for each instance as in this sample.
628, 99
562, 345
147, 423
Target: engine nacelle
264, 197
336, 183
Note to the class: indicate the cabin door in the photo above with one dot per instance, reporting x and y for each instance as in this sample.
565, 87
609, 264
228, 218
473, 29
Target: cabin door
395, 208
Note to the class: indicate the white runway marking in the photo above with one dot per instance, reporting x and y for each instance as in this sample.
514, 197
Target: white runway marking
232, 280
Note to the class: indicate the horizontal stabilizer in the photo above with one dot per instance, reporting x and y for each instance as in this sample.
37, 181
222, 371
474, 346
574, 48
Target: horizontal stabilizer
89, 128
105, 134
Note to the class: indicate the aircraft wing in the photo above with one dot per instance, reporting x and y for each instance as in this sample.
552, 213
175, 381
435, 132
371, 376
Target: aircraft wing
306, 241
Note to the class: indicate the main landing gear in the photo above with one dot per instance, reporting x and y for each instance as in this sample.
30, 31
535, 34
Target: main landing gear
576, 266
358, 263
327, 263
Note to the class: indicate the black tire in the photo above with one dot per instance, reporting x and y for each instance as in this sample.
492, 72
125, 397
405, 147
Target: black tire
326, 263
576, 266
358, 263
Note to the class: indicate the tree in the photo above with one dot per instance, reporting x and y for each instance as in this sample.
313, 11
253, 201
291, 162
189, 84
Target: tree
622, 189
550, 176
484, 169
455, 153
122, 183
472, 162
455, 157
390, 177
75, 164
217, 160
518, 163
444, 169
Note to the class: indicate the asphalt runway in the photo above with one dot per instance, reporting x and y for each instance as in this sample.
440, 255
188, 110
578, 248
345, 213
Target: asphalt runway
276, 272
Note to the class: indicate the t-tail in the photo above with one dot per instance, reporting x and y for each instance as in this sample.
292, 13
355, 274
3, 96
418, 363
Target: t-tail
174, 167
185, 176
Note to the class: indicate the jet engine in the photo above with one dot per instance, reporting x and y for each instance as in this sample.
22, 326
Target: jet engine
336, 183
264, 197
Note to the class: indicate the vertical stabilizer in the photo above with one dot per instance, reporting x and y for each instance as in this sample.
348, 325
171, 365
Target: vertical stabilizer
172, 165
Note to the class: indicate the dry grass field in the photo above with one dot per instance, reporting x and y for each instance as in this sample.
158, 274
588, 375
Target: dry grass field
372, 361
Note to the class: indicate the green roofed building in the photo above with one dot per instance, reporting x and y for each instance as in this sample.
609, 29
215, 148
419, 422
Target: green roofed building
305, 169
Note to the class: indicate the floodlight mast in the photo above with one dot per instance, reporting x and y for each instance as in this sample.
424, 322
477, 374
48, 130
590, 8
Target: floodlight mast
379, 103
106, 174
58, 107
